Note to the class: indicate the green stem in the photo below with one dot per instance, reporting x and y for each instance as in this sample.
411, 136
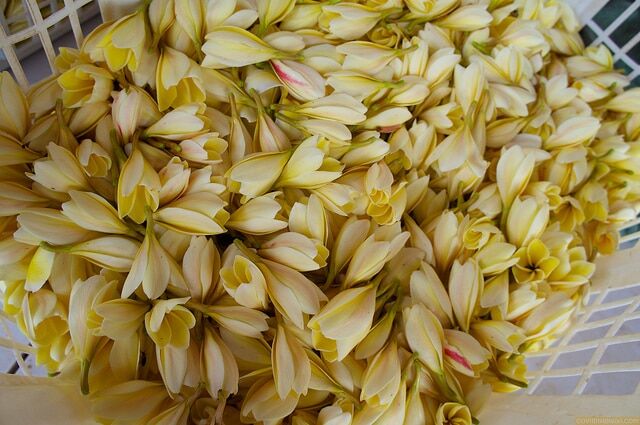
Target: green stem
121, 157
85, 365
57, 249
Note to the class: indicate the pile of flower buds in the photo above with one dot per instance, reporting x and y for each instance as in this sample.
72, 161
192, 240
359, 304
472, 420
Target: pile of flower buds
311, 212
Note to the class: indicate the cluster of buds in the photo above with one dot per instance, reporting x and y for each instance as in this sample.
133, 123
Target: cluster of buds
311, 212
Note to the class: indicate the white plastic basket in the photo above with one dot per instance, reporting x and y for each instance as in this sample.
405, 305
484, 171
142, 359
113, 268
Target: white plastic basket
592, 373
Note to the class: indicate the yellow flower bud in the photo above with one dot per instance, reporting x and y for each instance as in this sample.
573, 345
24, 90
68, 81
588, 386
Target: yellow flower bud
60, 172
573, 132
199, 213
291, 293
339, 107
357, 84
48, 225
567, 168
366, 149
42, 97
496, 257
388, 119
153, 267
14, 110
548, 317
39, 269
93, 212
308, 217
381, 379
296, 251
348, 21
291, 367
174, 178
425, 336
239, 320
138, 188
205, 149
256, 174
161, 16
628, 101
503, 335
513, 173
594, 200
130, 401
464, 353
527, 220
87, 117
85, 84
303, 82
83, 295
229, 46
337, 198
309, 166
121, 318
219, 367
302, 16
447, 239
368, 57
269, 134
352, 234
263, 404
190, 19
378, 249
133, 108
110, 252
376, 338
184, 122
201, 268
465, 289
427, 288
12, 152
343, 322
513, 367
15, 198
334, 415
259, 216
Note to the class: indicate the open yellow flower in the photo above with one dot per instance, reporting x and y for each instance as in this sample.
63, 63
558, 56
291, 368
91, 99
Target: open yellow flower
243, 280
177, 80
123, 43
85, 84
453, 413
535, 262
